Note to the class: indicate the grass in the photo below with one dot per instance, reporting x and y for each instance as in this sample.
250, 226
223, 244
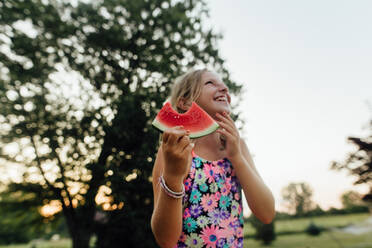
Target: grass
63, 243
330, 239
296, 225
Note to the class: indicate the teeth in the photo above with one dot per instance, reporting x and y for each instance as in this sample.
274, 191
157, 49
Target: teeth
222, 99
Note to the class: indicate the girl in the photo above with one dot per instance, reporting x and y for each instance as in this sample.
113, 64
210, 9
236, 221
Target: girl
197, 185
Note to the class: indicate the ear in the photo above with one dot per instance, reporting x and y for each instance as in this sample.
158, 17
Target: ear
183, 104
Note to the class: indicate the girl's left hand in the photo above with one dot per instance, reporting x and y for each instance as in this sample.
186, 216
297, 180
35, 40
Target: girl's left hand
229, 130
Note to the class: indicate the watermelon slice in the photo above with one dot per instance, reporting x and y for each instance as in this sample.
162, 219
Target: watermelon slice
195, 119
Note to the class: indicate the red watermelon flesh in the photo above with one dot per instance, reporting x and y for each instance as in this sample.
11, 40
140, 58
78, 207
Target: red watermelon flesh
195, 119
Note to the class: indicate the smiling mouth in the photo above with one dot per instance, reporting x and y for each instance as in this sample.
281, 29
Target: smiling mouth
221, 99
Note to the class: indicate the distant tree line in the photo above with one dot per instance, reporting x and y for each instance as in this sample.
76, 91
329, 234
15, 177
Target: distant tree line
300, 205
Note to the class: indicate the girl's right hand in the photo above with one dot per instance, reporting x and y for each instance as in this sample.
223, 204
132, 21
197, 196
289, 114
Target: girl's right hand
176, 147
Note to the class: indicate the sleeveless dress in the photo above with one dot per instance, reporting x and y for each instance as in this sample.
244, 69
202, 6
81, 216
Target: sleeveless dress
212, 206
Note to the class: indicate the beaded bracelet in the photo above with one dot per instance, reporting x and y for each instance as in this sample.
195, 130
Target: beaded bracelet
170, 192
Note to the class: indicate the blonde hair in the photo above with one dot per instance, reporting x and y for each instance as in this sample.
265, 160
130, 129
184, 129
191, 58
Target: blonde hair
187, 87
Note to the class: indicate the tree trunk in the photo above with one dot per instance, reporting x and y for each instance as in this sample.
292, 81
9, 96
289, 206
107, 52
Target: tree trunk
81, 238
78, 226
80, 234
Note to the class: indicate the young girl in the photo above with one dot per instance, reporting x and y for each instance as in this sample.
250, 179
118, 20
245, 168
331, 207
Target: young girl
197, 184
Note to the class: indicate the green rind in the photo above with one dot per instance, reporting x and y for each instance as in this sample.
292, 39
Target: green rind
195, 135
158, 125
209, 130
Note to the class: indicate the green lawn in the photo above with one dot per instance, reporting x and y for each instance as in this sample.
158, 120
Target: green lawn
301, 224
325, 240
329, 239
64, 243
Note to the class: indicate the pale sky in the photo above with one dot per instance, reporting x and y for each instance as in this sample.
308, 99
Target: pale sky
306, 71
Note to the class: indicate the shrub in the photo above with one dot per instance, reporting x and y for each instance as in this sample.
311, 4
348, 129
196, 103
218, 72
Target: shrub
264, 232
313, 230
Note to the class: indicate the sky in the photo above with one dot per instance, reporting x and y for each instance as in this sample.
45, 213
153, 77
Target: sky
306, 71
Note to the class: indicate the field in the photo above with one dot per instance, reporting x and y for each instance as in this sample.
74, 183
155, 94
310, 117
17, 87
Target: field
329, 239
325, 240
284, 226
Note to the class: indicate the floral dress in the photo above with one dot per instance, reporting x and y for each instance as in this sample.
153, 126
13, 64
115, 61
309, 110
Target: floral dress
212, 215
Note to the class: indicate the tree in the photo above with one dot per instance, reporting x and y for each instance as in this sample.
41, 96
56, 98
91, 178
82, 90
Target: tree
351, 198
353, 202
359, 162
298, 198
21, 220
79, 86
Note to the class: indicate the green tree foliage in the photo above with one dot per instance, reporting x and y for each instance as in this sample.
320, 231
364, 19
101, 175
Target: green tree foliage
263, 232
298, 198
359, 162
351, 198
14, 227
80, 83
20, 215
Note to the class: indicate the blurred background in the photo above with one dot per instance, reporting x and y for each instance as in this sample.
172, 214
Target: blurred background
81, 81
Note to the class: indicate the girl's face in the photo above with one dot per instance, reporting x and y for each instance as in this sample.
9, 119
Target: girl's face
214, 97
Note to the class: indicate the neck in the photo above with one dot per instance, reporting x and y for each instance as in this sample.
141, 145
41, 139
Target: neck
214, 141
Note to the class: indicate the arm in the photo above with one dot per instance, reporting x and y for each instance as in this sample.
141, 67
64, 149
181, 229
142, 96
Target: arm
172, 161
259, 198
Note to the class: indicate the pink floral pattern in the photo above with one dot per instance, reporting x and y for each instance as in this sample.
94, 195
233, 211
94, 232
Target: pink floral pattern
212, 206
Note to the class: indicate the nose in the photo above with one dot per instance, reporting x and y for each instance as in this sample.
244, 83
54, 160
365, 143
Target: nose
223, 88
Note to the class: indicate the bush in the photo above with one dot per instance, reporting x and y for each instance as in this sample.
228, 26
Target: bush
313, 230
264, 232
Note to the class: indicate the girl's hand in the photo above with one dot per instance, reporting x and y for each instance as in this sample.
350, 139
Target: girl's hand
176, 147
229, 130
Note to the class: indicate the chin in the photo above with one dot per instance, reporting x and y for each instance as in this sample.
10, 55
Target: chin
226, 109
221, 110
223, 107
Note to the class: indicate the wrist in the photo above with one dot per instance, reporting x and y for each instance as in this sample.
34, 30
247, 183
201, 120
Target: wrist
175, 183
237, 159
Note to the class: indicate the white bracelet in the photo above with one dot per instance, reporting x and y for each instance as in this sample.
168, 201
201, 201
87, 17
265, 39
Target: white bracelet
170, 192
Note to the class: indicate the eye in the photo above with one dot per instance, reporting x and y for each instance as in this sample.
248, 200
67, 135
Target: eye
208, 82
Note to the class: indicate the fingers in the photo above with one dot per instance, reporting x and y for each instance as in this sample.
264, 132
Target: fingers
188, 148
165, 137
227, 123
185, 143
177, 140
173, 135
224, 125
225, 117
224, 132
